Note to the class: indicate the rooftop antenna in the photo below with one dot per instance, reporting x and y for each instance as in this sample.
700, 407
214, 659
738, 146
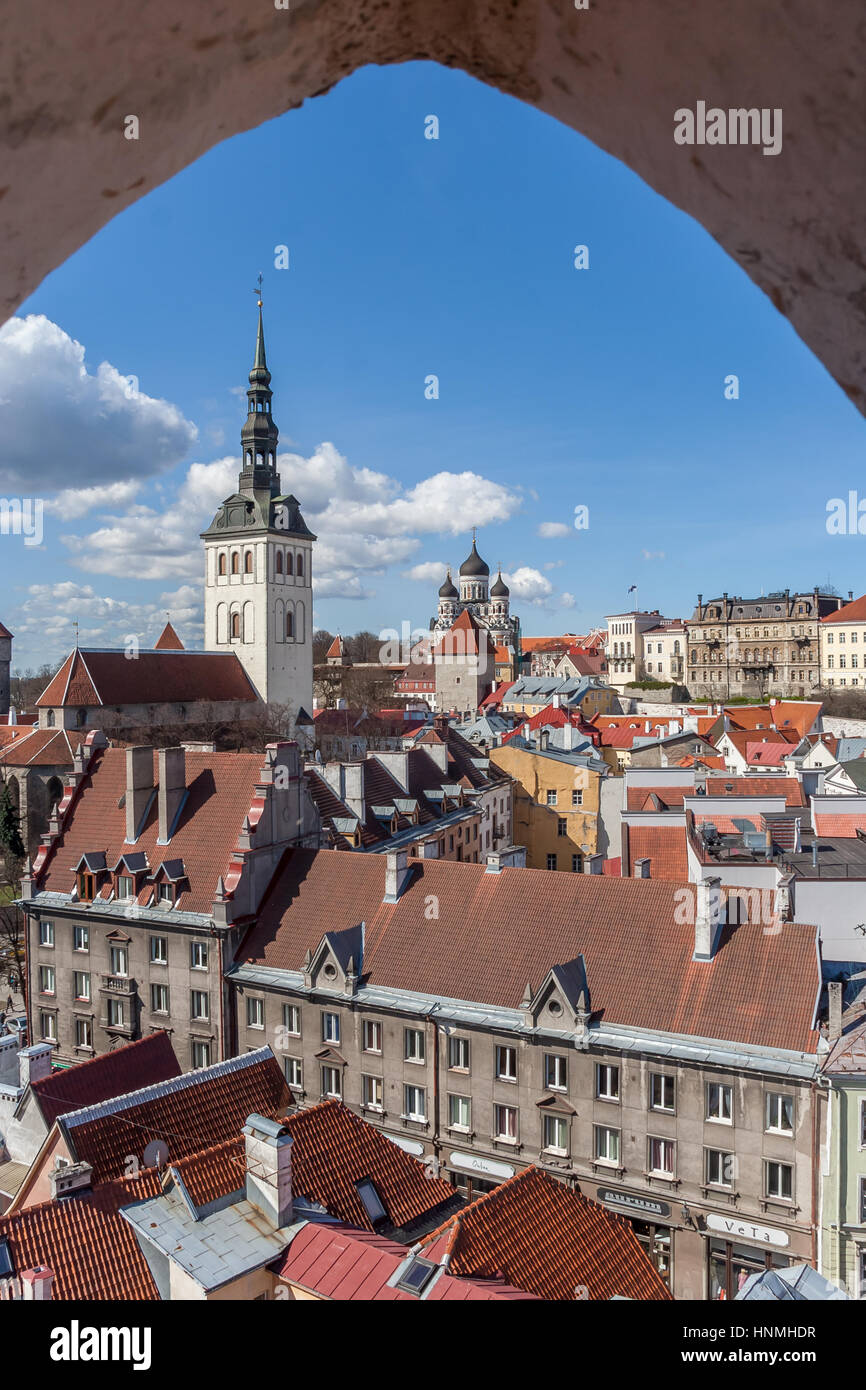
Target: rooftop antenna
75, 625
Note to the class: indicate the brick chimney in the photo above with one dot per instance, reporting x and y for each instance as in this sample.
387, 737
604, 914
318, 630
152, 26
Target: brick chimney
708, 914
139, 789
396, 873
268, 1154
36, 1284
641, 868
172, 789
66, 1178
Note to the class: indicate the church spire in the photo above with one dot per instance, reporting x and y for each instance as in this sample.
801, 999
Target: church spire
259, 436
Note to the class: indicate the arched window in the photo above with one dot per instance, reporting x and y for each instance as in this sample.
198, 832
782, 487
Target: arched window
279, 562
221, 566
290, 624
260, 460
236, 625
299, 568
248, 457
289, 566
49, 719
81, 718
236, 562
55, 792
248, 562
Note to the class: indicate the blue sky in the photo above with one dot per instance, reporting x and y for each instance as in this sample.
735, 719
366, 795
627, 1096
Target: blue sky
411, 257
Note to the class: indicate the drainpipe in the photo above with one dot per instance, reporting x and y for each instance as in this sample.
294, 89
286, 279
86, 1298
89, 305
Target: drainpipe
430, 1018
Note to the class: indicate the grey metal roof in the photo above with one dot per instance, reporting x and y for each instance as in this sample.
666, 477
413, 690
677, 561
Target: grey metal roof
214, 1250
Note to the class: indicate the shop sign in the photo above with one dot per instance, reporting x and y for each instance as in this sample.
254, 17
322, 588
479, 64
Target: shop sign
735, 1229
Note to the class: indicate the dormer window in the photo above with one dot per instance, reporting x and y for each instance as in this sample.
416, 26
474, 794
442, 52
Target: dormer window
165, 893
125, 886
86, 886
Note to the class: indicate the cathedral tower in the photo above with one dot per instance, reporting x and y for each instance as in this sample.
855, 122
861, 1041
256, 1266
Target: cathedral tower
258, 564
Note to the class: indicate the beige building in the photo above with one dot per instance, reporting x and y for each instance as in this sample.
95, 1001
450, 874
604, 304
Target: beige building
843, 646
664, 651
625, 648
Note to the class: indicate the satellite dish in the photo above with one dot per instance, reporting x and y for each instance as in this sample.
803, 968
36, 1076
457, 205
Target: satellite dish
155, 1154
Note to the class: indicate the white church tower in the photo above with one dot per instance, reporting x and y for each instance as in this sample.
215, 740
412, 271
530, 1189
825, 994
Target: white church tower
258, 565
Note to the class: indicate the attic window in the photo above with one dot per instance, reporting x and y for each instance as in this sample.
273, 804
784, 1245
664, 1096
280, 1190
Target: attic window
125, 886
329, 971
371, 1201
6, 1265
165, 893
86, 886
555, 1008
416, 1277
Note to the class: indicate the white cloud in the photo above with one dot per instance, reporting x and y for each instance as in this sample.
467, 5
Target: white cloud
428, 572
43, 621
653, 554
62, 424
567, 600
74, 502
529, 585
552, 530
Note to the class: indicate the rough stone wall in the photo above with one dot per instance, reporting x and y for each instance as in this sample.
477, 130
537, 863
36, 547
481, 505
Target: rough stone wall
617, 72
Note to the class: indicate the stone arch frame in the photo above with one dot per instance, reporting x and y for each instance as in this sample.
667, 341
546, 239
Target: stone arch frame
235, 623
279, 621
612, 72
222, 622
248, 622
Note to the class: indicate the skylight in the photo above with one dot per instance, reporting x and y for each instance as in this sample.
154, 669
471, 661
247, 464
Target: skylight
371, 1200
416, 1276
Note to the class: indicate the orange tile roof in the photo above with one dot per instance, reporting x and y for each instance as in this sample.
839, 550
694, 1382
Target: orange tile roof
222, 790
796, 715
189, 1112
638, 952
550, 1240
854, 612
664, 846
843, 826
168, 640
129, 1068
465, 637
93, 678
43, 748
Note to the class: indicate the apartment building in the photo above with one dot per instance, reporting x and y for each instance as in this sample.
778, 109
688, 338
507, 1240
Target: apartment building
134, 902
617, 1034
843, 646
625, 649
757, 647
556, 800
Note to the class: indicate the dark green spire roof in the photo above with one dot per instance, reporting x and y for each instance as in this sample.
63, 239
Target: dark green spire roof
260, 373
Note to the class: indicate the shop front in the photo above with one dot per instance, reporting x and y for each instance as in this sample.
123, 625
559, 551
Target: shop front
651, 1222
738, 1249
473, 1175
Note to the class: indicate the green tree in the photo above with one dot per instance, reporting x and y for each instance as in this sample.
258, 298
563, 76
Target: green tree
11, 843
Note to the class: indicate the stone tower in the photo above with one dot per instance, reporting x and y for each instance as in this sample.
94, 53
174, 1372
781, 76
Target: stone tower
258, 564
5, 668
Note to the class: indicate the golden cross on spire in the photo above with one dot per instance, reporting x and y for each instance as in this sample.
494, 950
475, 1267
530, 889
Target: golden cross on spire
258, 290
474, 529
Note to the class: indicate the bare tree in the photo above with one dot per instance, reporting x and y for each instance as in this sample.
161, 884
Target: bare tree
12, 943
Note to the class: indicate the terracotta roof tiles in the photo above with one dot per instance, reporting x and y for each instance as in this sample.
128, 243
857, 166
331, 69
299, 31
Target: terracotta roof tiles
138, 1064
93, 678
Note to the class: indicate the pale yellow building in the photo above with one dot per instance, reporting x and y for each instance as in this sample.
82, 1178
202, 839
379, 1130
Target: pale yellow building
556, 801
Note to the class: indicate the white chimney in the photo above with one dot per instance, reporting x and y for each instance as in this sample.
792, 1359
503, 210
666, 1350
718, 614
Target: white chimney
396, 874
36, 1284
70, 1177
641, 868
834, 1002
707, 916
268, 1154
34, 1063
139, 788
172, 789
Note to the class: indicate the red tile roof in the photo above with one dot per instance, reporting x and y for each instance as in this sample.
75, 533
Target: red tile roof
189, 1112
664, 846
854, 612
128, 1068
92, 678
798, 716
336, 648
638, 951
91, 1250
465, 637
168, 640
222, 790
550, 1240
343, 1265
838, 824
43, 748
496, 696
789, 787
4, 631
766, 753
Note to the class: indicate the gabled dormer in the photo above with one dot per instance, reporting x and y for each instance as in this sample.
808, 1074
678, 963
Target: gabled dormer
128, 875
337, 962
562, 1003
90, 876
170, 881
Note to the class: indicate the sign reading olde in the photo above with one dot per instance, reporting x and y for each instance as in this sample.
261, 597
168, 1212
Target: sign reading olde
627, 1201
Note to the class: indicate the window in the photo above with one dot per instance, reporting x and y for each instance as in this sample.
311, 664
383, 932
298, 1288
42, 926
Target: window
780, 1113
294, 1072
555, 1072
80, 985
606, 1144
551, 798
83, 1033
165, 892
863, 1126
662, 1092
779, 1180
248, 562
576, 798
199, 1005
255, 1013
720, 1102
279, 562
371, 1201
331, 1028
561, 826
236, 564
719, 1168
81, 938
460, 1112
413, 1045
124, 886
292, 1020
46, 933
221, 567
556, 1134
506, 1063
236, 625
118, 960
551, 861
372, 1035
661, 1157
46, 979
372, 1092
458, 1054
48, 1027
576, 863
198, 955
332, 1082
290, 624
299, 568
159, 999
505, 1123
116, 1014
607, 1082
200, 1054
863, 1202
415, 1103
159, 950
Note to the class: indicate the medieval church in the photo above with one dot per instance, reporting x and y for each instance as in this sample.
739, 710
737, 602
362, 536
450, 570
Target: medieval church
488, 604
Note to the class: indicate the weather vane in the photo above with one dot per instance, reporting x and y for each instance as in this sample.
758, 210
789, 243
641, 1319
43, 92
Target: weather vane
258, 290
75, 625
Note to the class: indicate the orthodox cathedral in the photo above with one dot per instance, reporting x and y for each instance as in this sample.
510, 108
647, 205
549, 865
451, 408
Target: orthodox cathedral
488, 604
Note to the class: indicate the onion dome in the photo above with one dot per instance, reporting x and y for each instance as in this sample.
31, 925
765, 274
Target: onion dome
448, 589
473, 565
500, 588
